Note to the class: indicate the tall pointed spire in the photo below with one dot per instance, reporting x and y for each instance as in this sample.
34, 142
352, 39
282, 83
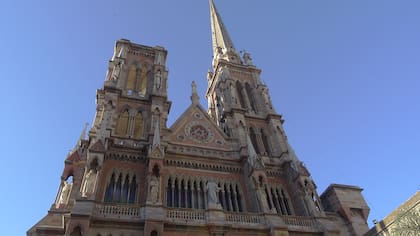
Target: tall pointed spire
222, 44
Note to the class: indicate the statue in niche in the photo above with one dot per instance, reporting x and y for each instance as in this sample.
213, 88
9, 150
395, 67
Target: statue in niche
89, 184
262, 196
267, 98
158, 80
212, 192
159, 58
65, 191
154, 189
247, 59
116, 71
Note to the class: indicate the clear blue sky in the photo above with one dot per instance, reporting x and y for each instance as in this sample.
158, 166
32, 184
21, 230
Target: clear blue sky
344, 74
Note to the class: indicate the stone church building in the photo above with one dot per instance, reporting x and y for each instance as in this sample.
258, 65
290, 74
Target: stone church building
228, 170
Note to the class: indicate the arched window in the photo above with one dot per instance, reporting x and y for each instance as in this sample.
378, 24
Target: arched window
142, 80
110, 189
239, 197
169, 195
251, 97
122, 124
286, 203
131, 80
240, 96
280, 200
138, 125
265, 142
117, 192
253, 137
189, 195
183, 194
176, 193
124, 196
121, 190
133, 191
268, 198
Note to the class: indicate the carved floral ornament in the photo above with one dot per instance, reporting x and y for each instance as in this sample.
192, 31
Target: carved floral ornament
198, 132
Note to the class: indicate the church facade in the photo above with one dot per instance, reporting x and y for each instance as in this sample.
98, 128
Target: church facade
227, 170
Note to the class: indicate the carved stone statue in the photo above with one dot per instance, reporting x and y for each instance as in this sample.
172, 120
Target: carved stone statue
64, 193
247, 59
159, 58
262, 196
89, 184
116, 71
158, 80
212, 192
267, 99
154, 189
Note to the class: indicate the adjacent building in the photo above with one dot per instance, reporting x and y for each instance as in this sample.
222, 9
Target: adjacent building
225, 170
404, 221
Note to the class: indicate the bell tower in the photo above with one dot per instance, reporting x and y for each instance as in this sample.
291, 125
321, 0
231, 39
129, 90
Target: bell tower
238, 101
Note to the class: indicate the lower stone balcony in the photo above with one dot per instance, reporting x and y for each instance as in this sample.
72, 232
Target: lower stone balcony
203, 217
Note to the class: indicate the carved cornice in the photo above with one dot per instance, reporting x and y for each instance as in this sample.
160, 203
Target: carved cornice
203, 166
118, 156
202, 152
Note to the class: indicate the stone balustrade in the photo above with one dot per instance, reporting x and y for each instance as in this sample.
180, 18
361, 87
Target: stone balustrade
117, 211
244, 218
186, 216
300, 221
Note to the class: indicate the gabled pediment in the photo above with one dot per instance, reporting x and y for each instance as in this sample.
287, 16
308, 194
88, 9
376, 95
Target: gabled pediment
194, 127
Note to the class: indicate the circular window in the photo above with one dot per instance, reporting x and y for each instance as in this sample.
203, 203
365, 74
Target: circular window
198, 132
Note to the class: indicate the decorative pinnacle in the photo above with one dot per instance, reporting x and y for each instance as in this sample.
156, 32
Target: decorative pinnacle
194, 96
82, 137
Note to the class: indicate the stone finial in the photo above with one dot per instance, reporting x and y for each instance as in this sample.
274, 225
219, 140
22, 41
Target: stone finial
83, 134
194, 96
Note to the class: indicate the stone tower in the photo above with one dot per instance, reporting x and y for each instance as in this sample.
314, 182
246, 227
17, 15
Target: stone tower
226, 171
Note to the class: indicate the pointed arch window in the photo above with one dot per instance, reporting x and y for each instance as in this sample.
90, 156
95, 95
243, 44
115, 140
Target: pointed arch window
240, 95
138, 125
124, 194
121, 190
133, 191
253, 137
110, 189
265, 141
122, 124
117, 192
251, 97
142, 80
182, 193
132, 75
